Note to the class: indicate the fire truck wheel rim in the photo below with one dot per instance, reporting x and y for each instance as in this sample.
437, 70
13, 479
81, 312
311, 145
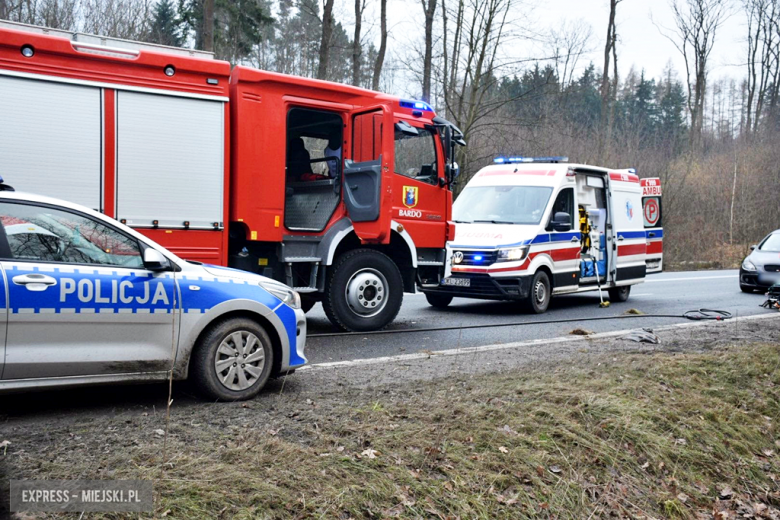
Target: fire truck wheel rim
366, 292
239, 360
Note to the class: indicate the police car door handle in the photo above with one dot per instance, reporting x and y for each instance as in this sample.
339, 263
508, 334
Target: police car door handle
35, 281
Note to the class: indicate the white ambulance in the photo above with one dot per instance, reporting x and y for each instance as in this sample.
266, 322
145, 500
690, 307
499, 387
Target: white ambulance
531, 228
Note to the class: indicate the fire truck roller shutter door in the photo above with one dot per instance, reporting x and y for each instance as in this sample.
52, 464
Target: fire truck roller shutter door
170, 164
50, 139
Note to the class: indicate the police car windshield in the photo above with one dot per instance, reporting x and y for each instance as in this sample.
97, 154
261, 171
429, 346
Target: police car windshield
502, 204
771, 244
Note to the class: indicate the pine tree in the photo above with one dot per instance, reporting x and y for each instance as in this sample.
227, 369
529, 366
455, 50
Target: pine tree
166, 27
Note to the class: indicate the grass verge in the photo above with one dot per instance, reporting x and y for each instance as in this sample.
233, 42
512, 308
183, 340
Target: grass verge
655, 435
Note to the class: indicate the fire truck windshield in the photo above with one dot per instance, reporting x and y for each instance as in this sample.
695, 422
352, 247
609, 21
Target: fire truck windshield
501, 204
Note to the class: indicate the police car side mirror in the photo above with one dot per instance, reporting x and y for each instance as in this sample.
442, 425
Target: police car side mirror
561, 221
753, 247
155, 261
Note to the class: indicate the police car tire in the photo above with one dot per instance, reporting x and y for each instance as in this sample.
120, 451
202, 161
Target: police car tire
531, 302
203, 373
440, 301
334, 301
619, 294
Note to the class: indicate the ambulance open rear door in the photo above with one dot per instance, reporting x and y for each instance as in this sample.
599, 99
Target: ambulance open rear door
653, 215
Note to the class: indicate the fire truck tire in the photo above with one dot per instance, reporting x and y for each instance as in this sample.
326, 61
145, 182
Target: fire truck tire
364, 291
540, 293
212, 371
307, 303
619, 294
440, 301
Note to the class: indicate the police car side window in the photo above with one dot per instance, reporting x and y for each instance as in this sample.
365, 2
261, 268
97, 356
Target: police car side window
44, 234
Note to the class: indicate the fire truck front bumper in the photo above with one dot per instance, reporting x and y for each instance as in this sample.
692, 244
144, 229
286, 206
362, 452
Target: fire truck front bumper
484, 286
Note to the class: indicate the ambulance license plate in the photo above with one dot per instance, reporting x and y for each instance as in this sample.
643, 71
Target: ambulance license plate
457, 282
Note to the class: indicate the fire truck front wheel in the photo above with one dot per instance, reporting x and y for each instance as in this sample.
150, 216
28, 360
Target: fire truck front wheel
364, 291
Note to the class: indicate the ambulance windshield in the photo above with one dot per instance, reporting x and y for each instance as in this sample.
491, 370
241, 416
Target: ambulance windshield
502, 204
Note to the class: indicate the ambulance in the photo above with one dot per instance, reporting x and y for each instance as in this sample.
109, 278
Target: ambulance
528, 229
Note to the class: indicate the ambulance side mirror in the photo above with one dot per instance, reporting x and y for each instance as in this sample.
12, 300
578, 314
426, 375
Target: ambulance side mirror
155, 261
561, 221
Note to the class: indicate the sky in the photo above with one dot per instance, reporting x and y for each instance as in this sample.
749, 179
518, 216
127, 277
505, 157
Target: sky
640, 42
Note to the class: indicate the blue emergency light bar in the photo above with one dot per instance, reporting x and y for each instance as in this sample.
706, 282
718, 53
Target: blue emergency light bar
416, 105
520, 160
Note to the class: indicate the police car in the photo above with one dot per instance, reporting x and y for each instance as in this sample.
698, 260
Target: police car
87, 300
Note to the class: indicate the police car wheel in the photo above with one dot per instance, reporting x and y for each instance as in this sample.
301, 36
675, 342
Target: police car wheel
364, 291
540, 294
619, 294
233, 360
440, 301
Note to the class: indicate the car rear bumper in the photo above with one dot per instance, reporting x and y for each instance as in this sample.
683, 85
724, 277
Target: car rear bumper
486, 287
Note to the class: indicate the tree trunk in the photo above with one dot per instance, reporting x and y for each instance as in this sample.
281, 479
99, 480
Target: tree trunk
327, 31
380, 57
356, 47
606, 123
208, 25
430, 11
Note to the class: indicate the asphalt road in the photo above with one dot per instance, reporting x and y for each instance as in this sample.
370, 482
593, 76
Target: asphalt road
663, 293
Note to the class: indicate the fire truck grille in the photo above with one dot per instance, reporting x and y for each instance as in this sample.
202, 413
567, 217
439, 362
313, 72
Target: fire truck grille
477, 257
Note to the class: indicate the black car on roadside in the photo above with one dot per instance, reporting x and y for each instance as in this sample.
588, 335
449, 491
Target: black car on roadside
761, 269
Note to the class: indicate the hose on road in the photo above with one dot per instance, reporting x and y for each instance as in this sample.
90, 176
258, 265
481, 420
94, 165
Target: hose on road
695, 315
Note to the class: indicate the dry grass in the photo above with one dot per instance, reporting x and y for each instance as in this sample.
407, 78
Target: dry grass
638, 436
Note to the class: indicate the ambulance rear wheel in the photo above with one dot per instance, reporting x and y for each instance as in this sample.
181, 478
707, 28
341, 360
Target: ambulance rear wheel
440, 301
619, 294
540, 294
364, 291
232, 360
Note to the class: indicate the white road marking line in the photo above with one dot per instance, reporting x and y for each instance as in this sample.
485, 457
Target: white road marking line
691, 278
515, 345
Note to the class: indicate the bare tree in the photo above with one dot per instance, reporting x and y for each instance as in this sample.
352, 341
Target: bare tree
696, 25
208, 25
380, 57
429, 7
762, 58
607, 93
128, 19
357, 49
327, 31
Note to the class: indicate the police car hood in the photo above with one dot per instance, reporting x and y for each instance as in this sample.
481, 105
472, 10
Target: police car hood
491, 236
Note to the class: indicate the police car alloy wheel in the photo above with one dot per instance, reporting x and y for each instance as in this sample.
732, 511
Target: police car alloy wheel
233, 360
364, 291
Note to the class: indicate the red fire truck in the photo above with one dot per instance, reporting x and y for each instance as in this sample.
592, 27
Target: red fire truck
340, 192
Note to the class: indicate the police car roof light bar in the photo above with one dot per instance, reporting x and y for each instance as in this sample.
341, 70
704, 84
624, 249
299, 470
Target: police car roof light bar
520, 160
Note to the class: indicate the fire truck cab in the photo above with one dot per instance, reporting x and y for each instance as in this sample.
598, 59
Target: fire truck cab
532, 228
340, 192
